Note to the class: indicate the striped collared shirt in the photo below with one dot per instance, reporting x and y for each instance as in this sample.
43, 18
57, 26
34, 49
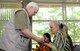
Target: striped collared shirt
61, 42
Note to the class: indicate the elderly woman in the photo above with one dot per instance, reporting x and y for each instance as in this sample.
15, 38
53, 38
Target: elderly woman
60, 42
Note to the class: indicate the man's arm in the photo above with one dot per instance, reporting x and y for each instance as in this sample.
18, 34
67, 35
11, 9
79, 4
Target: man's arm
21, 23
30, 35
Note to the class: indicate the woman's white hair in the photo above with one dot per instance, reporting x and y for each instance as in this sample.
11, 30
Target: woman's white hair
55, 23
33, 4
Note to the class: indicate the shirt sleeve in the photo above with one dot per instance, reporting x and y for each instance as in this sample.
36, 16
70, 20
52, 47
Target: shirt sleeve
59, 40
20, 20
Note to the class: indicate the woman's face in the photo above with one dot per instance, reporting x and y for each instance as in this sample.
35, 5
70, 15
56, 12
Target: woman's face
53, 28
45, 38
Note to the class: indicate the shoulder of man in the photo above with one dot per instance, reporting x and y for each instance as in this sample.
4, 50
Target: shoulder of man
19, 11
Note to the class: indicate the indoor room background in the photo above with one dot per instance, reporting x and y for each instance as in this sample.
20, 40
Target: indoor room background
65, 11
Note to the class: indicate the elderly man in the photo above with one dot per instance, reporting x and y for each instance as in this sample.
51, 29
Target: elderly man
17, 32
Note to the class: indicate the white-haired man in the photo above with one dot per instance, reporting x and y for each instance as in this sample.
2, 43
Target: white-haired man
17, 32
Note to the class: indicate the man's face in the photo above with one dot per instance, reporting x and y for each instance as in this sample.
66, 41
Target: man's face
32, 11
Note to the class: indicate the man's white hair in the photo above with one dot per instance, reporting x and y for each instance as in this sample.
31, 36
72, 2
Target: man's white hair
33, 4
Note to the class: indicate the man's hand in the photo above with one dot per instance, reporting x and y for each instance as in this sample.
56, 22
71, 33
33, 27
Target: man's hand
40, 40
